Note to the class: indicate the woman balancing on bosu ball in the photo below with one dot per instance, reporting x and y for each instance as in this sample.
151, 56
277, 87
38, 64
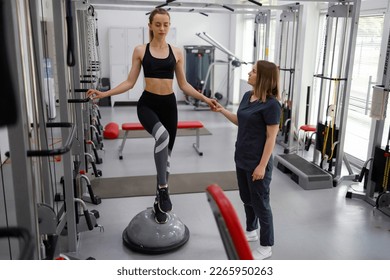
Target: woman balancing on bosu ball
157, 107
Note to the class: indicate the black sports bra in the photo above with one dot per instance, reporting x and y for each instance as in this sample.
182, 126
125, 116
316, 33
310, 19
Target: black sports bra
160, 68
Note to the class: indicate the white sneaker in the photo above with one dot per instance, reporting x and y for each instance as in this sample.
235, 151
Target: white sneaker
251, 235
263, 252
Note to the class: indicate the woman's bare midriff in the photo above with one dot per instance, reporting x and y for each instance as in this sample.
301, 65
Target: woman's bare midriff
159, 86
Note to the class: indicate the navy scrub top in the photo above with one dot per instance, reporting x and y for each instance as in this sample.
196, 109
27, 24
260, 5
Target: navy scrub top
253, 118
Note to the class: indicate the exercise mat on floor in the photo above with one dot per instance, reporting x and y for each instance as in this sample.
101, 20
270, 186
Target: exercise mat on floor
117, 187
180, 132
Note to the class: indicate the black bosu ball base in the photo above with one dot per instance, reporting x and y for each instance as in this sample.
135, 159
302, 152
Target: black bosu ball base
145, 235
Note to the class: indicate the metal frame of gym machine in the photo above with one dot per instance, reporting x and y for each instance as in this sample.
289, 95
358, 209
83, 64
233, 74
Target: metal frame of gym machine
380, 200
23, 186
261, 42
341, 74
30, 151
25, 142
290, 22
75, 106
232, 60
67, 78
261, 35
260, 48
89, 78
335, 77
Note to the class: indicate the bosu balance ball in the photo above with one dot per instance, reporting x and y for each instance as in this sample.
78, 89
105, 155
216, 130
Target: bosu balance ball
145, 235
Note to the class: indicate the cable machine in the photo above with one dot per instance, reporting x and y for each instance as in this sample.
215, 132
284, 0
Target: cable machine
288, 42
198, 61
90, 77
51, 220
232, 62
376, 170
261, 35
334, 82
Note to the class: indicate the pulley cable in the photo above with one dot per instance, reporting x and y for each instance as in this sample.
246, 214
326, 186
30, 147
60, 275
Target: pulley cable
70, 59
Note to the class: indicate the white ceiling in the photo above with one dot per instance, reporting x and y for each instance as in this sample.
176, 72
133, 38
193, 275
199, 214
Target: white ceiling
209, 6
204, 6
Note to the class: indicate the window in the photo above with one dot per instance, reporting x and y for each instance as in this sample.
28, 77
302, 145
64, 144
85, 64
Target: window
365, 67
367, 51
248, 48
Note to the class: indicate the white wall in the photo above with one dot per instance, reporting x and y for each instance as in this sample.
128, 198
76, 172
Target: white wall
186, 24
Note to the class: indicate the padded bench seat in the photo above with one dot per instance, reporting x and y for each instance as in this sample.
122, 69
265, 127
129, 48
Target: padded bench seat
127, 127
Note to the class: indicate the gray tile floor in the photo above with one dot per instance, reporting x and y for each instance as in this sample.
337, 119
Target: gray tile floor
309, 224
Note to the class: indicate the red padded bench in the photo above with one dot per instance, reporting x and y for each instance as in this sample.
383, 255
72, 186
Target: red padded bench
197, 125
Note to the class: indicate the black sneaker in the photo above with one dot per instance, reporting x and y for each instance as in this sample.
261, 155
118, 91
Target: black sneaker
159, 217
164, 202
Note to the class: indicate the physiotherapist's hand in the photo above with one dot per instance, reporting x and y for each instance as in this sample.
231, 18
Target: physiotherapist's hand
212, 103
258, 173
218, 107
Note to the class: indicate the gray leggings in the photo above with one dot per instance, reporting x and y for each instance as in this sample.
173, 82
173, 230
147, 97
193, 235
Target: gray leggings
158, 115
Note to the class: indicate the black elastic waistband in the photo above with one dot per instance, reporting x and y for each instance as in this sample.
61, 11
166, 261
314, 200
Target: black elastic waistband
155, 94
